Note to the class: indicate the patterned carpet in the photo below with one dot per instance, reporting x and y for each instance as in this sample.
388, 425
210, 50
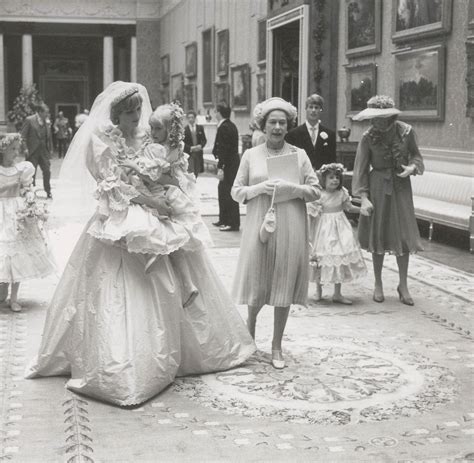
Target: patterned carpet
370, 382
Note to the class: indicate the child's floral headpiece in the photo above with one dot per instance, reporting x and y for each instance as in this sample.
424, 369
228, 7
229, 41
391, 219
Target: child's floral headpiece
336, 167
7, 139
176, 126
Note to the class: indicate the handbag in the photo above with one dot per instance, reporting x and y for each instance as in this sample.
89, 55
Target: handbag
269, 221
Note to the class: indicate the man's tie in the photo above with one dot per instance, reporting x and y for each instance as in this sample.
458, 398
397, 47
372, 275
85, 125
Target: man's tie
313, 135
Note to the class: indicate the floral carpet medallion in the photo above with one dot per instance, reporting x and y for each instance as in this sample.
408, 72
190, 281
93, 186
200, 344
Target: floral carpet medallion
335, 380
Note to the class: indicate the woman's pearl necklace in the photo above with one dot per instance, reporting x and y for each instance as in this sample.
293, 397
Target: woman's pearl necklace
275, 152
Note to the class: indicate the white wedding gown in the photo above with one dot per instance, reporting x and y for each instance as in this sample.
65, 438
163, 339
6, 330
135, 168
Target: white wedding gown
123, 335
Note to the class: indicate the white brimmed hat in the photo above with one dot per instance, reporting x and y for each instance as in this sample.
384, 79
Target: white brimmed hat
378, 106
271, 104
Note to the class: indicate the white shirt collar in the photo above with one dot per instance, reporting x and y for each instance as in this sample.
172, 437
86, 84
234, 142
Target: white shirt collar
220, 122
316, 126
40, 121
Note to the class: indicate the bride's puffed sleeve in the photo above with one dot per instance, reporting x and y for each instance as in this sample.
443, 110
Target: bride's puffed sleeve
113, 192
27, 170
309, 190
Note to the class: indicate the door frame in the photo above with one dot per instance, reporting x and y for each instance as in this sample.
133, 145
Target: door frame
301, 14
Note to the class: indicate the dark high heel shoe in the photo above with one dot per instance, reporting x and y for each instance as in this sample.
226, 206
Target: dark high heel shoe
378, 297
403, 299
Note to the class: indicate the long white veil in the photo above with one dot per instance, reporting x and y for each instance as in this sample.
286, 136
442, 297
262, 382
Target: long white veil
73, 202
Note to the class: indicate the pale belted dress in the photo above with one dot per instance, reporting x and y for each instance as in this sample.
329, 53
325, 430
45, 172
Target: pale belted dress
275, 272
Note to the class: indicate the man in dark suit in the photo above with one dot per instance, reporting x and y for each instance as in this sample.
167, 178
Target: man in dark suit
226, 150
318, 141
194, 142
36, 134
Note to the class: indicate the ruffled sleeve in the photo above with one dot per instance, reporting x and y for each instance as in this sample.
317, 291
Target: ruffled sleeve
360, 178
27, 170
113, 191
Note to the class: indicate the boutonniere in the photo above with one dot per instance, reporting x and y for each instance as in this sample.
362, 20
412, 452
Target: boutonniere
324, 135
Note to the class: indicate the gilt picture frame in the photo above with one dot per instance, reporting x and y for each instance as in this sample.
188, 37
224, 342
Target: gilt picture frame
363, 27
191, 60
223, 53
165, 69
361, 86
240, 88
418, 19
420, 83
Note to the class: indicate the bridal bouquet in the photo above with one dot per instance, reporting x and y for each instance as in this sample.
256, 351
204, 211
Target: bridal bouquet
33, 210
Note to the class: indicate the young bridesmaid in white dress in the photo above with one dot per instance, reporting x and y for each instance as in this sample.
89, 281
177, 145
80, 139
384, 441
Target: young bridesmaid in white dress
24, 252
336, 257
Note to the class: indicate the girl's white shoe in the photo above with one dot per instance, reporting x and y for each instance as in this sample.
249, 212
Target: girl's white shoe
15, 307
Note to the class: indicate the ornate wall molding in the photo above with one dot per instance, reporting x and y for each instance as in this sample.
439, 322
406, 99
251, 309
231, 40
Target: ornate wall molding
103, 11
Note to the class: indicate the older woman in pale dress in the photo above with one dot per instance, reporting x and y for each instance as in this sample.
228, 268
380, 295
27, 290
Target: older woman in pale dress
274, 272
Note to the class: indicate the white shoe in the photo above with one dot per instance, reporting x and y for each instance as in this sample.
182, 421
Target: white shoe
15, 307
278, 361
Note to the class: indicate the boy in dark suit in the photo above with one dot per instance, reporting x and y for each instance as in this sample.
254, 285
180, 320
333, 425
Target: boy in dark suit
226, 150
194, 142
318, 141
36, 134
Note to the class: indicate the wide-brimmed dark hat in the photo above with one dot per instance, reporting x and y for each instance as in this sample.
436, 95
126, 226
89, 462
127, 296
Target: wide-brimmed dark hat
378, 106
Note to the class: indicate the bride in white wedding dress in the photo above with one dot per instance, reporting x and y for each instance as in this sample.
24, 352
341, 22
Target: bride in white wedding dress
120, 333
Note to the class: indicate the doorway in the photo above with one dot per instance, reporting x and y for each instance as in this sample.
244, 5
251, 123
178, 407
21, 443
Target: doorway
286, 65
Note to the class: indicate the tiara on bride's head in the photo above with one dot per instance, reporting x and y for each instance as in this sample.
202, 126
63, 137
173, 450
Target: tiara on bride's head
129, 91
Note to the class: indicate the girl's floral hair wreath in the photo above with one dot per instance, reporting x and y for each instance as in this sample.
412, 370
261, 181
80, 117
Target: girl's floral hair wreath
176, 127
336, 167
7, 139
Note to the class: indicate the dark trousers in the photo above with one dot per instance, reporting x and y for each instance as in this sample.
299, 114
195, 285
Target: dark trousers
195, 163
41, 159
229, 213
62, 147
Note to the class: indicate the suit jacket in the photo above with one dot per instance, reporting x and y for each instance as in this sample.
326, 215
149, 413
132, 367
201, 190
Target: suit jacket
323, 152
36, 136
226, 146
188, 138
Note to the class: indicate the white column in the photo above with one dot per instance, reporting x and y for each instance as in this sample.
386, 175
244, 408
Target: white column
2, 86
108, 60
133, 59
27, 59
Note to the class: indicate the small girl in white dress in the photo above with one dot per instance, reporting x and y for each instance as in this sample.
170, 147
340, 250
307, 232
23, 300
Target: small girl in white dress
24, 252
335, 255
161, 170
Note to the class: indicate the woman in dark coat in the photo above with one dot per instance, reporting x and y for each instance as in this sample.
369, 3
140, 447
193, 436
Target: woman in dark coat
386, 157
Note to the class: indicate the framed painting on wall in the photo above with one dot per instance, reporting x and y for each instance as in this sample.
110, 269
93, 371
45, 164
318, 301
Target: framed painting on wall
361, 85
415, 19
261, 86
190, 100
191, 59
223, 52
363, 27
221, 92
177, 89
240, 88
420, 82
207, 66
165, 69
